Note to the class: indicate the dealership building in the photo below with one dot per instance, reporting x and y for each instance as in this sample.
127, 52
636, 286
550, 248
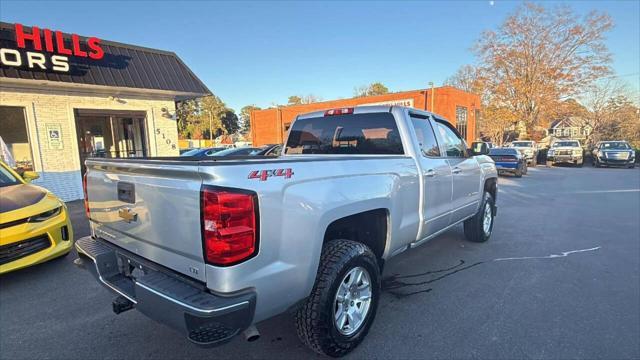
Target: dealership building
461, 108
64, 98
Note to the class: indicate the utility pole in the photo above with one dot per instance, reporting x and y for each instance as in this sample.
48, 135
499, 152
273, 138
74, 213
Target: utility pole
433, 95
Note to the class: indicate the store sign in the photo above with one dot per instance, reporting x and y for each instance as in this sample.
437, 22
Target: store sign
54, 136
45, 49
400, 102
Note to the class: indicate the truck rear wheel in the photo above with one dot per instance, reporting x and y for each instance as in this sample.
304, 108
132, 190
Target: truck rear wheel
479, 227
340, 310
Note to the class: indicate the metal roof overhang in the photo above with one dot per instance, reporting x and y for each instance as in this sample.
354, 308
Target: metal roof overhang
124, 68
29, 85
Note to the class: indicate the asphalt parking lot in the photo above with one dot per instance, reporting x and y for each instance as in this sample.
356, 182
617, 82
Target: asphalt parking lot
560, 278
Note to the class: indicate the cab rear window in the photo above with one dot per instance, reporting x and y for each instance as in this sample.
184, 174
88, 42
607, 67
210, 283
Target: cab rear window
358, 134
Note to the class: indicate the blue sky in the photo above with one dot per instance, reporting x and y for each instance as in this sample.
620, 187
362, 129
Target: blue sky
262, 52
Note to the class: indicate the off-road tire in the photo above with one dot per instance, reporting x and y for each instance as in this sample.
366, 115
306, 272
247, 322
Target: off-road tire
473, 227
315, 318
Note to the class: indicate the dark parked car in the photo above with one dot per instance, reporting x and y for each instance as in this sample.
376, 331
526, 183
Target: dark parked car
270, 150
244, 151
202, 152
509, 160
614, 153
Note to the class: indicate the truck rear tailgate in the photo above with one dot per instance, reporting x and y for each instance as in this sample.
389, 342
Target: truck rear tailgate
150, 208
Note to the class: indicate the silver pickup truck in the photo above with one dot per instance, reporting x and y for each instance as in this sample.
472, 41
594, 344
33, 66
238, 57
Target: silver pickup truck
212, 247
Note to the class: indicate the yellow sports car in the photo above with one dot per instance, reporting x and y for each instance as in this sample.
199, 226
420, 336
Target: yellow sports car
34, 223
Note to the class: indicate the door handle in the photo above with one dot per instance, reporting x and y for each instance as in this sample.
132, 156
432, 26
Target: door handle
430, 173
456, 170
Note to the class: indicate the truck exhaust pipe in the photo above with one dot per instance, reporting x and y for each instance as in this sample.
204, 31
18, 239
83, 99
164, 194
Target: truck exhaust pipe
251, 334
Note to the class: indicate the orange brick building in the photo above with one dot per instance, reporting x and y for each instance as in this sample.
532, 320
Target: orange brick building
462, 109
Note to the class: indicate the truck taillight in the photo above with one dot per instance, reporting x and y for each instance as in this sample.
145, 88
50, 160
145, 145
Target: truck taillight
229, 225
86, 198
342, 111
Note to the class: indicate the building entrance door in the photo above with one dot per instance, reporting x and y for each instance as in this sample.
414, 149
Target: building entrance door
110, 134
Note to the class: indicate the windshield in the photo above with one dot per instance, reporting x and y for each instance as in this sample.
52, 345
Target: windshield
6, 178
567, 144
614, 146
522, 144
192, 152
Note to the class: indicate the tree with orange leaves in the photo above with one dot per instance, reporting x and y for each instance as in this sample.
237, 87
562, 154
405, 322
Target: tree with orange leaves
539, 57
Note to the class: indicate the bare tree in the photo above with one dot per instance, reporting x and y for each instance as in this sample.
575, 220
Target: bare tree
467, 78
376, 88
539, 57
301, 99
598, 101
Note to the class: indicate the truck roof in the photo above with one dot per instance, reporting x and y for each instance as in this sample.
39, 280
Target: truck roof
363, 110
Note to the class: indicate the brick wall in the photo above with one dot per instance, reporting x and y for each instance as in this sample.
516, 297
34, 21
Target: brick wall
59, 169
269, 126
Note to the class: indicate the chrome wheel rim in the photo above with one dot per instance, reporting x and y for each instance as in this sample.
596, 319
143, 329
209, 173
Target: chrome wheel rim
352, 301
487, 219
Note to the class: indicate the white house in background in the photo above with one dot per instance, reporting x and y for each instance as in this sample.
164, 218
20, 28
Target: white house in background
570, 128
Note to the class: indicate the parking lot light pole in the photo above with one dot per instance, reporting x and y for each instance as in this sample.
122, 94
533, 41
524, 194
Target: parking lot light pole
433, 95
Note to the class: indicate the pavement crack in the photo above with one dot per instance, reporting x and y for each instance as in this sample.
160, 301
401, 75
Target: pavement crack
396, 283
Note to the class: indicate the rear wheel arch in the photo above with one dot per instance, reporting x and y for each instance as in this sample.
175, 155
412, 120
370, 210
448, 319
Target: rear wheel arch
370, 228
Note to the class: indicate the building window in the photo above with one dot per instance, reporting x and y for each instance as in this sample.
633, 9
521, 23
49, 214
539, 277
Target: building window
15, 149
461, 121
558, 132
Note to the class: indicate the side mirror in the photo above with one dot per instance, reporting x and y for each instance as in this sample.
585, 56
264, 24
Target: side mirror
479, 149
29, 176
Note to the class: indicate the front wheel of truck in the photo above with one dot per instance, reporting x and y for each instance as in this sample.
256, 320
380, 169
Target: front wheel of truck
479, 227
342, 305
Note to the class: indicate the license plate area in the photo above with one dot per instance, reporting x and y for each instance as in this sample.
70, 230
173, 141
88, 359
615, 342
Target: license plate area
130, 268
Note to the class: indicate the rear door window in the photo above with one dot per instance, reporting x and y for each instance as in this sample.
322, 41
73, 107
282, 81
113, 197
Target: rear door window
357, 134
453, 144
426, 137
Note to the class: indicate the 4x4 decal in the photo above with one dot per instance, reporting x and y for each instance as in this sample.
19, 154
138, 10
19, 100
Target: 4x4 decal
263, 175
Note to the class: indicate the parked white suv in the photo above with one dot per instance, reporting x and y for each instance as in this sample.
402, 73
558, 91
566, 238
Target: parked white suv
528, 149
565, 151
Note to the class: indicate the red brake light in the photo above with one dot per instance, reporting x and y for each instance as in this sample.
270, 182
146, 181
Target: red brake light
229, 225
342, 111
86, 198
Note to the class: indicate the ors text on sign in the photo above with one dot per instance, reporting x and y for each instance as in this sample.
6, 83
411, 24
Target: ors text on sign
44, 49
